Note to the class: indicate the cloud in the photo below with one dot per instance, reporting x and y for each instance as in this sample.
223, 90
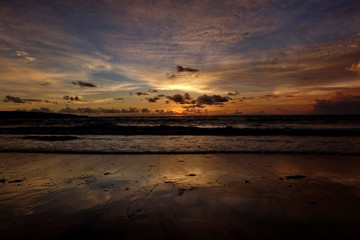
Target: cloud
338, 103
180, 69
150, 91
90, 111
22, 53
9, 98
181, 99
13, 99
66, 97
212, 100
154, 99
254, 46
141, 93
25, 56
186, 99
234, 93
354, 68
165, 112
84, 84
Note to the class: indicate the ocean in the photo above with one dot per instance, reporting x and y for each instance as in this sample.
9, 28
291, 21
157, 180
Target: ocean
181, 134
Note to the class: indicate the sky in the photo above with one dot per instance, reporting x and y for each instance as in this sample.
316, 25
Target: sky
180, 57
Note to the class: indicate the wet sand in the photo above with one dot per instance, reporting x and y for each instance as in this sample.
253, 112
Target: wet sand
169, 196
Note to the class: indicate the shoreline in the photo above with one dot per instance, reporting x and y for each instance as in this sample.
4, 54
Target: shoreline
179, 153
179, 131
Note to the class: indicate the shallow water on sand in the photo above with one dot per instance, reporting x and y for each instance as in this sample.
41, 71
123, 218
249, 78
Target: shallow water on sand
226, 196
180, 144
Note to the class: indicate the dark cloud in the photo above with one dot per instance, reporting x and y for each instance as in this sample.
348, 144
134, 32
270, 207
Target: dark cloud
212, 100
199, 102
13, 99
9, 98
234, 93
84, 84
164, 112
103, 110
186, 69
66, 97
150, 91
181, 99
180, 70
154, 99
198, 105
338, 103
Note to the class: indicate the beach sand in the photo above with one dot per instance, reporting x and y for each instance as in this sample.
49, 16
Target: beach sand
169, 196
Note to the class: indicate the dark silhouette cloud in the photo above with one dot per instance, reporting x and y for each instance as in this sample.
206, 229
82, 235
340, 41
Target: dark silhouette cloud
66, 97
212, 100
338, 103
181, 99
84, 84
13, 99
154, 99
150, 91
103, 110
164, 112
145, 110
142, 93
199, 102
186, 69
198, 105
9, 98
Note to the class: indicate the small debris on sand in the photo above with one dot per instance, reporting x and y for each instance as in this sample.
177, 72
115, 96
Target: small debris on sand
295, 177
246, 181
183, 190
192, 175
107, 173
16, 181
2, 180
168, 182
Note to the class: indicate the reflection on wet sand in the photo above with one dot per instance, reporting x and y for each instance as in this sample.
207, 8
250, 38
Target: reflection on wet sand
226, 196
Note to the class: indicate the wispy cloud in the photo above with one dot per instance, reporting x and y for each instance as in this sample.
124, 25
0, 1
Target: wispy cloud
257, 47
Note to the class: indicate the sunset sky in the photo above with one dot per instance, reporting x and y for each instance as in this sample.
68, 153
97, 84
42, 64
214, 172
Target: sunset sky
177, 57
